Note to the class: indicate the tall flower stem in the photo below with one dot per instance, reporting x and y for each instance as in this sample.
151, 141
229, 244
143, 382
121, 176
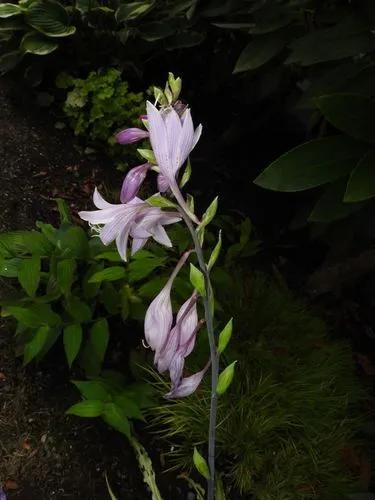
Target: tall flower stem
207, 302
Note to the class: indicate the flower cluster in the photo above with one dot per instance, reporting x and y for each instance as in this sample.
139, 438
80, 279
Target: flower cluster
172, 136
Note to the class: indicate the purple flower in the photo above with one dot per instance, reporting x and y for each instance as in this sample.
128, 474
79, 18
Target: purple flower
136, 219
163, 184
187, 385
131, 135
2, 494
172, 138
159, 317
133, 181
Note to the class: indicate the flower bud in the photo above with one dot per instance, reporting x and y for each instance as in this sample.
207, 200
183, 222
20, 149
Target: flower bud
133, 181
131, 135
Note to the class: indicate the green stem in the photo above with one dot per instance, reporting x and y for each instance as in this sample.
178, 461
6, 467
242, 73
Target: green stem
207, 301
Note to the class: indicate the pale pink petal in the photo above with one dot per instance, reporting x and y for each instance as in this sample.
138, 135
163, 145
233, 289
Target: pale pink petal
133, 181
163, 183
173, 127
158, 319
122, 242
131, 135
187, 385
160, 235
101, 216
196, 137
185, 142
158, 138
137, 244
100, 202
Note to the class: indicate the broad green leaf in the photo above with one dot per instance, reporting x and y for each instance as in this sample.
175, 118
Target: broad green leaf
331, 207
197, 279
91, 290
72, 242
35, 346
49, 17
87, 408
325, 45
350, 113
225, 378
132, 10
225, 336
9, 9
29, 275
111, 256
185, 39
52, 336
9, 267
109, 274
96, 347
150, 289
111, 298
85, 6
128, 406
215, 253
114, 416
65, 274
78, 309
156, 30
9, 61
36, 43
93, 389
11, 24
201, 464
72, 342
312, 164
361, 185
33, 316
258, 52
140, 269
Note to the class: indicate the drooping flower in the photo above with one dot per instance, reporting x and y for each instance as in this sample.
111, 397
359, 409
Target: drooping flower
181, 338
131, 135
187, 385
172, 139
136, 219
159, 316
133, 181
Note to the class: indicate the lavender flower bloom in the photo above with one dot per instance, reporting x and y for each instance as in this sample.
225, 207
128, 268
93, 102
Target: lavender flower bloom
2, 494
136, 219
163, 184
172, 139
187, 385
133, 181
131, 135
159, 317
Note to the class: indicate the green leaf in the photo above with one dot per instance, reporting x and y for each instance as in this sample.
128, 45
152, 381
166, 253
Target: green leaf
33, 316
78, 309
36, 43
114, 416
225, 336
201, 464
72, 342
209, 214
185, 39
312, 164
141, 268
111, 298
128, 406
87, 408
330, 206
50, 18
9, 9
109, 274
29, 275
156, 200
156, 30
258, 52
65, 274
351, 113
93, 389
64, 211
132, 10
186, 175
35, 346
9, 61
9, 267
96, 347
148, 155
215, 253
361, 185
225, 378
112, 256
197, 279
72, 242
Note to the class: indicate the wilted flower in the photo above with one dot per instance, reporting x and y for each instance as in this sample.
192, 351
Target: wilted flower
136, 219
187, 385
131, 135
159, 317
133, 181
172, 139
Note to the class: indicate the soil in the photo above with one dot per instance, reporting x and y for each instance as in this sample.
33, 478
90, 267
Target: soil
45, 454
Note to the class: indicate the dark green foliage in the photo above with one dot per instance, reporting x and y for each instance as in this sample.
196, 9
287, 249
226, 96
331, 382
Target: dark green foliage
290, 411
99, 106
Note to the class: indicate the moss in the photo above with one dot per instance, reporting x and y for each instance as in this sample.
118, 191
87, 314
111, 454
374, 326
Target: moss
290, 412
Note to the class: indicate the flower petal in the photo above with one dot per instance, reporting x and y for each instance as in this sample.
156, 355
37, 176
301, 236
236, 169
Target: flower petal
133, 181
158, 319
163, 184
158, 138
160, 235
131, 135
187, 385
